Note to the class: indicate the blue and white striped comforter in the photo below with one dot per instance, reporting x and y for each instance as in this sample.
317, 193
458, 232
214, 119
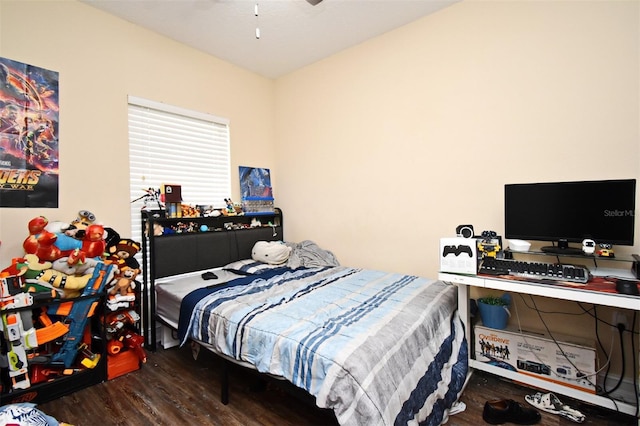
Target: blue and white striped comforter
378, 348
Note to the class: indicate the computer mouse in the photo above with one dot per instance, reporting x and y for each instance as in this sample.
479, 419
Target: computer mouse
627, 287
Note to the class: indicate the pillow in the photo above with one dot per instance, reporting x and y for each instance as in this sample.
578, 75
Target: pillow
273, 252
249, 267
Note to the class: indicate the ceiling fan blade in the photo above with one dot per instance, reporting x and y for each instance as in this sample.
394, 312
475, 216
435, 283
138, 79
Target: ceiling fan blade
313, 2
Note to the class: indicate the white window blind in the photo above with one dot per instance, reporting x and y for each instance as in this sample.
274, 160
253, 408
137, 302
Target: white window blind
171, 145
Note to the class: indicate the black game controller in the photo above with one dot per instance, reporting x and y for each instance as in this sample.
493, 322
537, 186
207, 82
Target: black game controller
457, 250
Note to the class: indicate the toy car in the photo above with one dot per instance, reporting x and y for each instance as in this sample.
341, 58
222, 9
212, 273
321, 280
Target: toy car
605, 250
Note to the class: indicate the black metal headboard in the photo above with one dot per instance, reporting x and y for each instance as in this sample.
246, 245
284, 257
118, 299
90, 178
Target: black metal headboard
227, 239
179, 254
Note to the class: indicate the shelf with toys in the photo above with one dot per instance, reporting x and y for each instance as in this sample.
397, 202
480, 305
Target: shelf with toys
181, 245
214, 221
64, 303
121, 316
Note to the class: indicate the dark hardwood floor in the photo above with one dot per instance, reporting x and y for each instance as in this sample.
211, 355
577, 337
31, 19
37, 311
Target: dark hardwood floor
173, 389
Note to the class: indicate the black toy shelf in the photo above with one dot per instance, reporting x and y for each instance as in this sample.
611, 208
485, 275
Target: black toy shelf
65, 362
65, 380
170, 226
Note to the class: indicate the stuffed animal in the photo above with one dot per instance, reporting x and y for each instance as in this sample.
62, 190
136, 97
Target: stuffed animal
57, 227
78, 226
69, 285
125, 282
68, 275
111, 239
93, 244
121, 294
47, 245
54, 246
272, 252
28, 268
67, 244
35, 226
76, 264
123, 252
47, 249
31, 265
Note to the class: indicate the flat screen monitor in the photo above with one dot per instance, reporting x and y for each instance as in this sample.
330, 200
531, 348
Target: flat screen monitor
564, 212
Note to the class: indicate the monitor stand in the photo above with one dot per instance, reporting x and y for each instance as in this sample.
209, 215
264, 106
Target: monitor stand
562, 249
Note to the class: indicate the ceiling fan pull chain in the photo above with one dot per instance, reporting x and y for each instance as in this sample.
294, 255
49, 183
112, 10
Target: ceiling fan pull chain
255, 11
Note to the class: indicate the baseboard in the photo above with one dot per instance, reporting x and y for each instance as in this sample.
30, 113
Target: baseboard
624, 393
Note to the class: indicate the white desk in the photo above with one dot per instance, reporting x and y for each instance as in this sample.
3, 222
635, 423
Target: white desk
464, 282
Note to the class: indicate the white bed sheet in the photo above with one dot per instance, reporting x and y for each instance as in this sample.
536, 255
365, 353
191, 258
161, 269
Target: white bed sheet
170, 292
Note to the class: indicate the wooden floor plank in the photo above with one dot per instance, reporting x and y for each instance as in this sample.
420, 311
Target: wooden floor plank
174, 389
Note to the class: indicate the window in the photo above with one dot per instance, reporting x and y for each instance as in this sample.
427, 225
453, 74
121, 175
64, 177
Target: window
171, 145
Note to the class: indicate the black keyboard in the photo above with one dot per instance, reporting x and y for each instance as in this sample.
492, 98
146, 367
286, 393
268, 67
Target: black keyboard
535, 270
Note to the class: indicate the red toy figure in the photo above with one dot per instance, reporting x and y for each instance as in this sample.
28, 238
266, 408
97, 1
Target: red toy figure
134, 342
47, 250
76, 257
93, 244
36, 226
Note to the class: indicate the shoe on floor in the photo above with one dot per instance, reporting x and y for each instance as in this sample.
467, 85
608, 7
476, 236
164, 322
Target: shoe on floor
499, 411
551, 404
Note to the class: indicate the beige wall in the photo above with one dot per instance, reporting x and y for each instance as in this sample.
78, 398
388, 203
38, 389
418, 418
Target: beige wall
375, 152
386, 147
380, 149
101, 60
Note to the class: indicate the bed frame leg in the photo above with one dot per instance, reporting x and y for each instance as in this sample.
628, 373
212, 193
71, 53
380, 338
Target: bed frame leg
224, 391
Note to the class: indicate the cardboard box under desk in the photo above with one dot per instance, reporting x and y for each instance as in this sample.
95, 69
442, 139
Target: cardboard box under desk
537, 355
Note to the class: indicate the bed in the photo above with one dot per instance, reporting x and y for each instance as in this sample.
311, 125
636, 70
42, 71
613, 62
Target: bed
373, 346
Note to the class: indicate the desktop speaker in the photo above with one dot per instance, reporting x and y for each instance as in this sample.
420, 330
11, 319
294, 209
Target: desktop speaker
635, 266
464, 231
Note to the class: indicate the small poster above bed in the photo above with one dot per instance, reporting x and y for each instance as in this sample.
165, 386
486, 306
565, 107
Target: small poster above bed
256, 190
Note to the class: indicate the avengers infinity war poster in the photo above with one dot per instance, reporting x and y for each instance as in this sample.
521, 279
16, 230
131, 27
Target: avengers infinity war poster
28, 135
